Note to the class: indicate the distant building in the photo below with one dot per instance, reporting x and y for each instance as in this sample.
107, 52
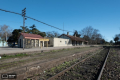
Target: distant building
3, 44
32, 40
56, 42
66, 40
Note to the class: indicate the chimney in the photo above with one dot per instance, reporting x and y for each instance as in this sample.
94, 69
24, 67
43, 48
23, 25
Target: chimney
67, 33
75, 35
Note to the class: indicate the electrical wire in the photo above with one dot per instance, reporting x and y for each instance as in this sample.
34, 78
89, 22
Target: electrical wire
36, 20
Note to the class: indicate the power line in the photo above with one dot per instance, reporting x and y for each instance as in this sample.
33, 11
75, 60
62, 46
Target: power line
36, 20
10, 11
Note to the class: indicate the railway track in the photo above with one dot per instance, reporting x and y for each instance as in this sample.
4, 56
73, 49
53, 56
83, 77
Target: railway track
90, 68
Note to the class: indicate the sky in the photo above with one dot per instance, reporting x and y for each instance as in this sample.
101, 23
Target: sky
103, 15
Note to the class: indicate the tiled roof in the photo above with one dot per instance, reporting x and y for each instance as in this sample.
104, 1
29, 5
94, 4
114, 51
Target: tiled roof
74, 38
31, 36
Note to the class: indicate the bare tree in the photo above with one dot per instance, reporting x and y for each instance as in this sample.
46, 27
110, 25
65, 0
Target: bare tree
87, 31
5, 32
92, 35
52, 34
98, 38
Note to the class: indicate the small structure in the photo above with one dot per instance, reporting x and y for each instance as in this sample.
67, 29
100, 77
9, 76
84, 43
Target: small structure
73, 40
66, 40
32, 40
3, 44
56, 42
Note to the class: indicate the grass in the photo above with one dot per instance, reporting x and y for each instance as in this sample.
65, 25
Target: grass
4, 56
60, 67
114, 51
28, 79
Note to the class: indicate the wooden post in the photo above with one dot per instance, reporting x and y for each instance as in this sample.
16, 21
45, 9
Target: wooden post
39, 43
43, 43
35, 42
30, 44
23, 43
75, 43
47, 43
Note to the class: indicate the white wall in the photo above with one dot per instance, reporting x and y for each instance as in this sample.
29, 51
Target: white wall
61, 42
56, 42
65, 37
21, 37
5, 44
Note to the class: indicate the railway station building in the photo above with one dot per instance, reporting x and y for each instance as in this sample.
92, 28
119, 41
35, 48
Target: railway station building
31, 40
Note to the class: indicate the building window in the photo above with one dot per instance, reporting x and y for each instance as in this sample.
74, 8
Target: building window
65, 42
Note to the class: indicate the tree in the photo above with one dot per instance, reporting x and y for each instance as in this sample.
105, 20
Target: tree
52, 34
15, 35
5, 32
76, 33
86, 38
103, 41
33, 29
116, 39
25, 29
111, 42
98, 38
43, 34
118, 35
91, 35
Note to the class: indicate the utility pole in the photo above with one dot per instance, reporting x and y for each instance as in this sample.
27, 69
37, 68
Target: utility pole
23, 14
63, 30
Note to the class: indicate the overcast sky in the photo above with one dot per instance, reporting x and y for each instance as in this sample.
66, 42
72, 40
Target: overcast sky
103, 15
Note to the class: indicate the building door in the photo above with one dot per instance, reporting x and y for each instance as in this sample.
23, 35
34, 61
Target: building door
73, 43
20, 43
76, 42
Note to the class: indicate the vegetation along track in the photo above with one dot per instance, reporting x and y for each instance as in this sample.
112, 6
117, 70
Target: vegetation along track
86, 69
112, 67
28, 58
60, 70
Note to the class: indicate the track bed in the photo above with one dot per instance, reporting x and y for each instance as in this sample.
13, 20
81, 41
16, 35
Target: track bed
86, 69
112, 67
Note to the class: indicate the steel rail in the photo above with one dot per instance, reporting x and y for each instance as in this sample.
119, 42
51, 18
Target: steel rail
62, 72
101, 71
